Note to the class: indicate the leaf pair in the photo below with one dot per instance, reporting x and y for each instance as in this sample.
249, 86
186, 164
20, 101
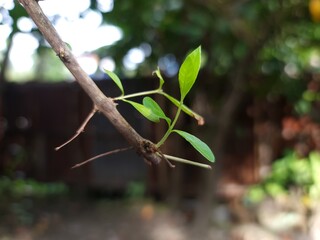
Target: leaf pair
150, 110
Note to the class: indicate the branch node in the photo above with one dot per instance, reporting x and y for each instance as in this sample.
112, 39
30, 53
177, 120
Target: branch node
149, 152
152, 154
63, 55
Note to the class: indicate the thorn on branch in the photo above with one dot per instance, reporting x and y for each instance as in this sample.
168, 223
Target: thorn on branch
63, 55
80, 129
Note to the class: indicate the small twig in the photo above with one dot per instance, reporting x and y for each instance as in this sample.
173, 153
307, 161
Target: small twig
185, 161
101, 155
80, 129
139, 94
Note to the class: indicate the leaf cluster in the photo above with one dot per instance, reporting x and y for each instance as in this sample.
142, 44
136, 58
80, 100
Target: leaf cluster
151, 110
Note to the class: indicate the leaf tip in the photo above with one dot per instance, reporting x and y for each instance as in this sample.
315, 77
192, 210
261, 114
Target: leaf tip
114, 77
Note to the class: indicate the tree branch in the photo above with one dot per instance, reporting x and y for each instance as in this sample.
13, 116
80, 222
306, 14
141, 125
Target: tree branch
104, 104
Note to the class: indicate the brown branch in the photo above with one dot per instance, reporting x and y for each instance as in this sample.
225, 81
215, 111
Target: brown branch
104, 104
101, 155
80, 129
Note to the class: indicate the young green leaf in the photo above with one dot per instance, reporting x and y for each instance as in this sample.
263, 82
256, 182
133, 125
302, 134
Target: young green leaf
189, 71
145, 111
158, 73
155, 108
116, 80
199, 145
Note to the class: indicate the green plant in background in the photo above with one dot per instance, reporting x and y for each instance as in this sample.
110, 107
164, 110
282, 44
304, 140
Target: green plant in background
21, 197
150, 109
135, 190
290, 173
20, 188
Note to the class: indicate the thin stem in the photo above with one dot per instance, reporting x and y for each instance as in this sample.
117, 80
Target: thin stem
182, 160
139, 94
169, 131
184, 108
101, 155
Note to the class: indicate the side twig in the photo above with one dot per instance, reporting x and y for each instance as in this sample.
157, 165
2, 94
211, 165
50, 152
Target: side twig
101, 155
80, 129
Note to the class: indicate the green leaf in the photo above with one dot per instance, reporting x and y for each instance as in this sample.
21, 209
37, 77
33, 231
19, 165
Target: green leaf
315, 167
161, 81
155, 108
189, 71
116, 79
199, 145
145, 111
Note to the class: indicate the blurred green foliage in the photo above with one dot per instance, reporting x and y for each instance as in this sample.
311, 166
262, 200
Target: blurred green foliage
272, 44
21, 198
20, 188
135, 190
277, 33
290, 173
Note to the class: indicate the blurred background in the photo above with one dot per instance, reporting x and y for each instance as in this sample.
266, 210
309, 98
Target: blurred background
258, 90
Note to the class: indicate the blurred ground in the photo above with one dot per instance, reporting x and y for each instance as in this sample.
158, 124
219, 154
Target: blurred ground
138, 219
102, 219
